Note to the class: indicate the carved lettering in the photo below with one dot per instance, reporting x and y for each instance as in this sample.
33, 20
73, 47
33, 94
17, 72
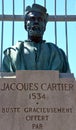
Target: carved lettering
37, 126
37, 117
10, 109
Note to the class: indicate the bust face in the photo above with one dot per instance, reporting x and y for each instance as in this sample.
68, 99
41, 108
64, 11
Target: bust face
35, 24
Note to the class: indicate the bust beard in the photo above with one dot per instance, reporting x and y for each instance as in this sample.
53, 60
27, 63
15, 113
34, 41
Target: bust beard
35, 38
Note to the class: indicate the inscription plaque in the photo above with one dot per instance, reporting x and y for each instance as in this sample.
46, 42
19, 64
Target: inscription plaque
37, 100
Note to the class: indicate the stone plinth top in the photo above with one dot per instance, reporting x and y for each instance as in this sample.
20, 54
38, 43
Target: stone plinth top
37, 100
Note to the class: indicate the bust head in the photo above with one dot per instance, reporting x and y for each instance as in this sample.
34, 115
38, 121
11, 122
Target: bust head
35, 21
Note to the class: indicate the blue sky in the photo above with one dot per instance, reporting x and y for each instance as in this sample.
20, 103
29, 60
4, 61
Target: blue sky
49, 36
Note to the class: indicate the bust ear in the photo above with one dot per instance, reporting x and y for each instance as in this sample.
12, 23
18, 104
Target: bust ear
25, 25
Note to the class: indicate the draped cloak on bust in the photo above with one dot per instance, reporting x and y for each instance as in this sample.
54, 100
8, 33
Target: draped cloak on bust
27, 55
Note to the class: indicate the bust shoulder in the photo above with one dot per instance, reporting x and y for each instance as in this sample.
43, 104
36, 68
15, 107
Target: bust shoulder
53, 47
13, 48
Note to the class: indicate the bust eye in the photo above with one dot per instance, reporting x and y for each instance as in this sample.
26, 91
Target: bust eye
32, 19
40, 19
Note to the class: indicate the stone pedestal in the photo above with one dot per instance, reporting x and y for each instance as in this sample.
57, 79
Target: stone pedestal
37, 100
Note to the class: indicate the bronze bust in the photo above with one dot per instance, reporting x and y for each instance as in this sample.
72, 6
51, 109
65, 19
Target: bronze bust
35, 53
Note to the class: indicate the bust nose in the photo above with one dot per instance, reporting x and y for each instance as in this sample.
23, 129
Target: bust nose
36, 20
